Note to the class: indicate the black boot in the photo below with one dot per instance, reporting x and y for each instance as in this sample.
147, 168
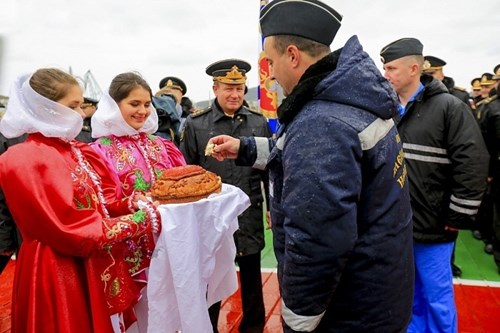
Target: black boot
477, 234
456, 271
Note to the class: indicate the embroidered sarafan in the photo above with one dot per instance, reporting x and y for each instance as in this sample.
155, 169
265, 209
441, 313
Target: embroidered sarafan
136, 161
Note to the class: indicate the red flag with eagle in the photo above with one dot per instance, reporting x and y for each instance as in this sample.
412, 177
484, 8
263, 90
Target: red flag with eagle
267, 92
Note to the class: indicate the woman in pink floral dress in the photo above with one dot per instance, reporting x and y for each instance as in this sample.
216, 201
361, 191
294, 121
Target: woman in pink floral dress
124, 124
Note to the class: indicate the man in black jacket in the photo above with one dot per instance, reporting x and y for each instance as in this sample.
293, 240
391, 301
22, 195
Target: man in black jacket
447, 168
486, 84
490, 128
484, 226
433, 66
227, 115
167, 102
9, 237
89, 107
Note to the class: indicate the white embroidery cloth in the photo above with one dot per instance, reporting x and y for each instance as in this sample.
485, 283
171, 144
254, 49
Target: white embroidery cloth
193, 264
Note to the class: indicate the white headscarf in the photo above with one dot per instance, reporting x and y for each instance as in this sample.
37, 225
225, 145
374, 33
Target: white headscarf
108, 120
29, 112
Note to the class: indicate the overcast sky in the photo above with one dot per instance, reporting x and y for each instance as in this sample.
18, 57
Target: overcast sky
181, 38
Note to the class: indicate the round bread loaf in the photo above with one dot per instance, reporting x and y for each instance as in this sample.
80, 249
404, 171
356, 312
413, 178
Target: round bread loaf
187, 183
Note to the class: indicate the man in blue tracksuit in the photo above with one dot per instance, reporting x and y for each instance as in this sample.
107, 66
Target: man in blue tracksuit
339, 195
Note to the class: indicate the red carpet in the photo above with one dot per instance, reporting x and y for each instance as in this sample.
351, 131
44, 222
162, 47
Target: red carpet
478, 307
6, 280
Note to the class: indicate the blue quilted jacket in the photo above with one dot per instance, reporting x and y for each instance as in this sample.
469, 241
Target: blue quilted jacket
339, 200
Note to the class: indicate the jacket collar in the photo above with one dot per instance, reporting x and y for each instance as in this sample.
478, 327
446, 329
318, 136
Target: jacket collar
304, 90
219, 114
432, 87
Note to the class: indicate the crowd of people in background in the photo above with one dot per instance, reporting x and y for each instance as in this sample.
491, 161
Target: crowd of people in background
367, 183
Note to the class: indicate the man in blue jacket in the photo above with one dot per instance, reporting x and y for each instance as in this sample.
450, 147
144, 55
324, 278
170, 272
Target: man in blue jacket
339, 196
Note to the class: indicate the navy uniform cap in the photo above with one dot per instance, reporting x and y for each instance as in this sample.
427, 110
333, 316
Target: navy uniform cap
174, 83
432, 63
401, 48
487, 79
496, 73
229, 71
476, 83
89, 100
310, 19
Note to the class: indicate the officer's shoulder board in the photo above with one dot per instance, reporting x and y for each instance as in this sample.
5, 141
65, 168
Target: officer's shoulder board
481, 102
460, 88
487, 100
492, 98
200, 112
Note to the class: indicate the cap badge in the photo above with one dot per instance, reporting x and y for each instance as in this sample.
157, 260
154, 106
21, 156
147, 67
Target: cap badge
233, 76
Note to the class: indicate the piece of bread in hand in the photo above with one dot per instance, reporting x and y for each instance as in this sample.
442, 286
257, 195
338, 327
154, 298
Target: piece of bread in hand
209, 149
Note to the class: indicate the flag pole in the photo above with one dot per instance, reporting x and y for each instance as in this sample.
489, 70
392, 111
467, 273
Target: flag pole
267, 92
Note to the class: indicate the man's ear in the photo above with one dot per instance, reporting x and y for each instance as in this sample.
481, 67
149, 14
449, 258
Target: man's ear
415, 70
293, 54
